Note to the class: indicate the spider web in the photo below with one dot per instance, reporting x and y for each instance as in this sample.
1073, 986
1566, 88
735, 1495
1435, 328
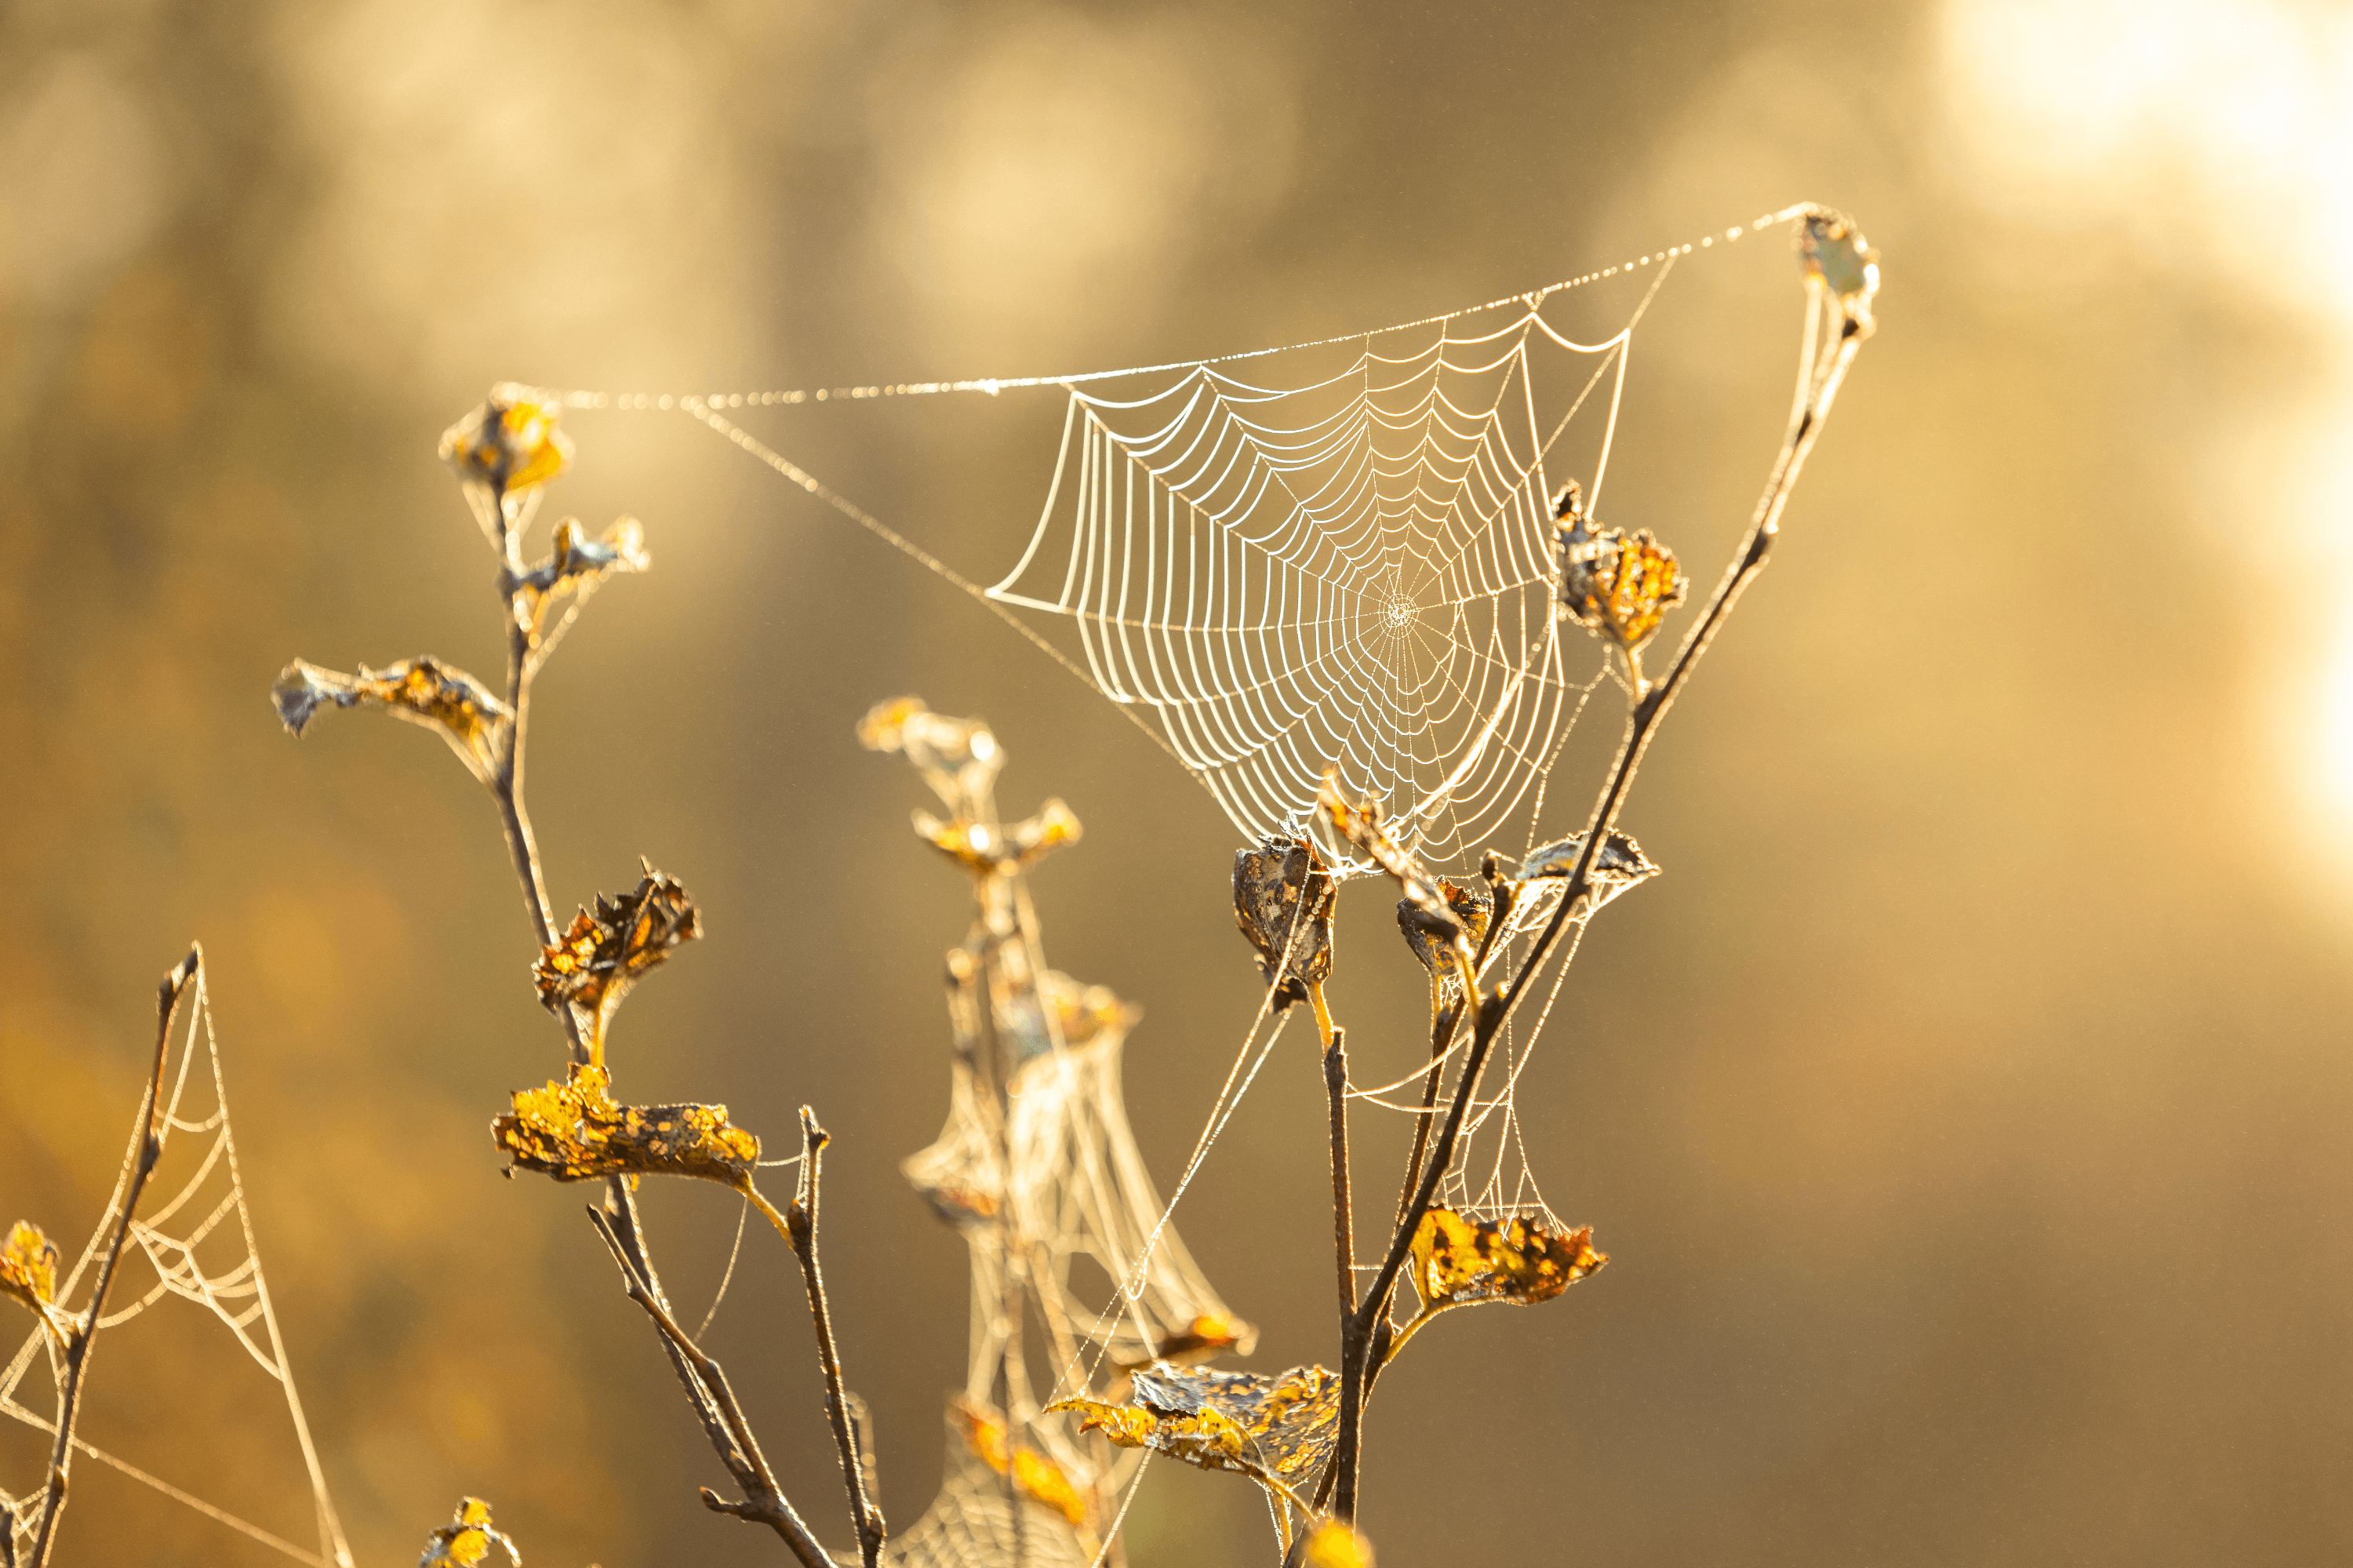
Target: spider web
1355, 573
1350, 566
195, 1242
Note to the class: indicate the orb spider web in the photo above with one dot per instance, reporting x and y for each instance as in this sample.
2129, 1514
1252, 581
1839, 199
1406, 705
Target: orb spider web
1355, 573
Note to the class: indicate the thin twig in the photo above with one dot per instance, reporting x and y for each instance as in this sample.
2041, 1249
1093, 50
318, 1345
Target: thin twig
1344, 1213
146, 1148
738, 1450
802, 1219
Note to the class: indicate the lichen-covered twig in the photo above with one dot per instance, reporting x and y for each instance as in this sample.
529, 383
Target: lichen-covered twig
146, 1148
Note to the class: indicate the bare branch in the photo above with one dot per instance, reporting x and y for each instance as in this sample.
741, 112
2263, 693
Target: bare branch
731, 1433
1344, 1213
801, 1219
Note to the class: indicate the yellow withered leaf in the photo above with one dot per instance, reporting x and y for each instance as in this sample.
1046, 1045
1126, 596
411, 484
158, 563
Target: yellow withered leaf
466, 1540
958, 757
610, 948
28, 1270
1279, 1429
1039, 1479
1283, 899
502, 450
1335, 1545
1460, 1260
999, 852
576, 1131
578, 564
1617, 586
424, 691
1207, 1337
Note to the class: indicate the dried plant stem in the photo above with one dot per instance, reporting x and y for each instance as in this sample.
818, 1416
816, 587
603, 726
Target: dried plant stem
146, 1148
730, 1432
1344, 1221
801, 1221
1362, 1343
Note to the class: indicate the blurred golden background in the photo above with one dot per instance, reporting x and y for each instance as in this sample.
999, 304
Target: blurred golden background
1968, 1112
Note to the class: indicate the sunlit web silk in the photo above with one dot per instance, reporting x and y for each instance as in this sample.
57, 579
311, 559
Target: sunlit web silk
1356, 573
192, 1241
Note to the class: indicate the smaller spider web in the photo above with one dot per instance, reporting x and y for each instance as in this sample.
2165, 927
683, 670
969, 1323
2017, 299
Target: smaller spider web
193, 1243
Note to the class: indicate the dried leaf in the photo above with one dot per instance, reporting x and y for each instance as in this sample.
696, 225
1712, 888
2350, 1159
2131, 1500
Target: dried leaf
611, 948
1276, 885
1461, 1260
503, 452
28, 1270
1433, 941
999, 852
1832, 250
958, 757
960, 1203
1617, 587
1206, 1338
1619, 864
466, 1539
1280, 1429
1362, 824
1335, 1545
578, 564
422, 691
576, 1131
1040, 1479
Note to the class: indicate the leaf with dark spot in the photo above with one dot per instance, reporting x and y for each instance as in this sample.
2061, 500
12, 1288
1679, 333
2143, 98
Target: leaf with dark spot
1465, 1260
1280, 1430
1284, 898
1617, 586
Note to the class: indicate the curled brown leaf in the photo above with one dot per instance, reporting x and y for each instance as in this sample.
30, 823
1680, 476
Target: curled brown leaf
1615, 584
1283, 899
611, 946
425, 691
